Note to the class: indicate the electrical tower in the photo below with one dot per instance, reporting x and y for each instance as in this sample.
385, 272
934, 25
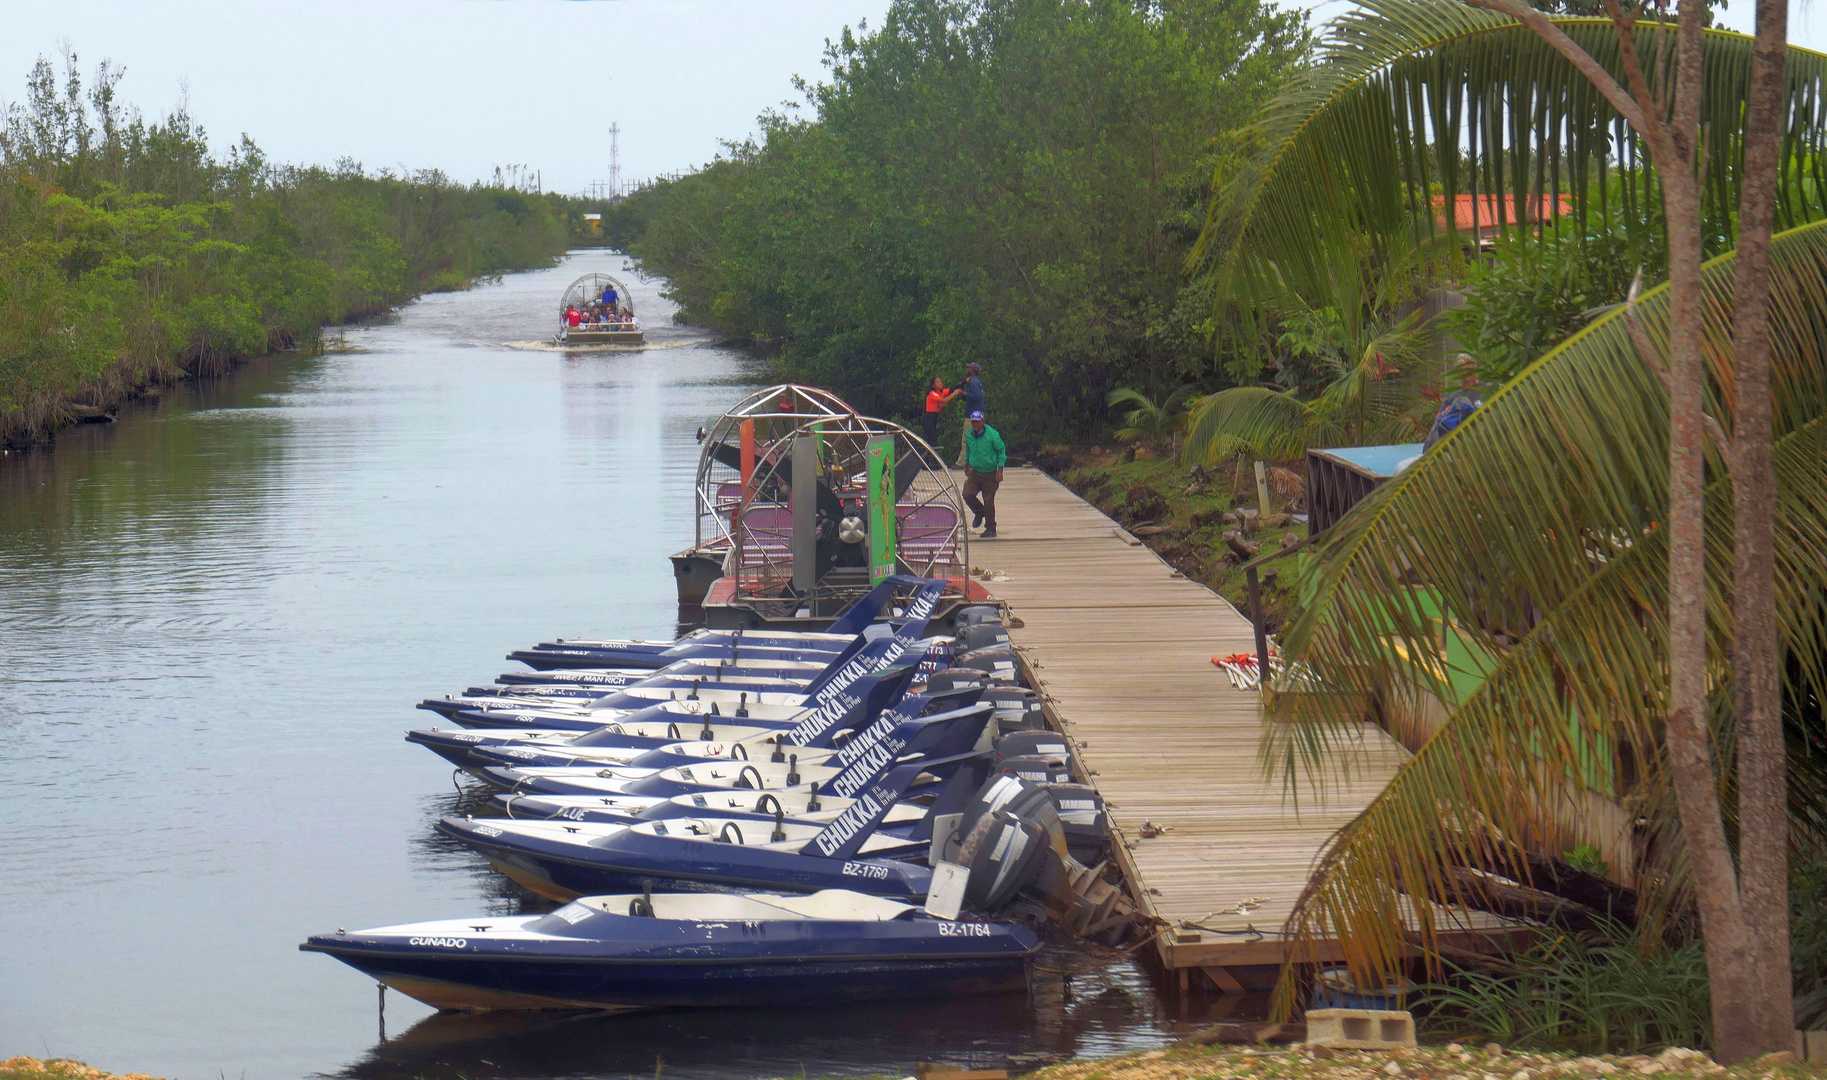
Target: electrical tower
615, 160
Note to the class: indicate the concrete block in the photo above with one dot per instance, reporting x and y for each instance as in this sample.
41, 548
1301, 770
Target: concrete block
1360, 1029
1811, 1046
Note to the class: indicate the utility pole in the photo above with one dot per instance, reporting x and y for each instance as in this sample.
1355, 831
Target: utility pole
615, 160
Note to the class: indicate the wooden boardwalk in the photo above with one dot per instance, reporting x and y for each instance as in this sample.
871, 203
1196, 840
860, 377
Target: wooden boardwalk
1121, 646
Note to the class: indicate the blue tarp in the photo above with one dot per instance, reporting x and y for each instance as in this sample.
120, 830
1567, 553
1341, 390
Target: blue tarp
1376, 460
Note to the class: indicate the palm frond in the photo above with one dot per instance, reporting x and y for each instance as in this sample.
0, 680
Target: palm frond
1534, 533
1410, 101
1249, 419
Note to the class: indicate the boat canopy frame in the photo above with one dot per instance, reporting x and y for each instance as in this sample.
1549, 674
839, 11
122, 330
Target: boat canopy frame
590, 287
752, 523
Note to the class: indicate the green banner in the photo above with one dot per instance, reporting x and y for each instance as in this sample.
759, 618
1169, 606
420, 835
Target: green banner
882, 544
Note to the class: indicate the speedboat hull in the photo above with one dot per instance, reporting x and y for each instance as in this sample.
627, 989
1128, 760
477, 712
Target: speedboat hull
609, 960
632, 861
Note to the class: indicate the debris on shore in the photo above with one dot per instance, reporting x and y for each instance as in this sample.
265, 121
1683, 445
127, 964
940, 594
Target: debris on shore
27, 1068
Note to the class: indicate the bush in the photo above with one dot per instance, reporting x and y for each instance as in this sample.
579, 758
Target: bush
1562, 993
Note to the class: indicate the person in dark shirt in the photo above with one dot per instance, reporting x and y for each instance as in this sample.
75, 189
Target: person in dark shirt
973, 401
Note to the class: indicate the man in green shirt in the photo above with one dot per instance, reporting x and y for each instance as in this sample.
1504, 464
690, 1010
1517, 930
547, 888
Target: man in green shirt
984, 456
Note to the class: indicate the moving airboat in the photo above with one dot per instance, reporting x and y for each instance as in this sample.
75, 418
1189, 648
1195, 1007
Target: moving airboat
803, 504
604, 312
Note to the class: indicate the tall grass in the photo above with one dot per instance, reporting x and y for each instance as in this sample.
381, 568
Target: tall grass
1562, 993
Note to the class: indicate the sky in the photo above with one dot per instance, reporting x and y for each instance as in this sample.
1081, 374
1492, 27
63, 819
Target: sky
467, 86
460, 85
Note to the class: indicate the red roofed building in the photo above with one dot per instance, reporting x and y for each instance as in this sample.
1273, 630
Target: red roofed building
1480, 212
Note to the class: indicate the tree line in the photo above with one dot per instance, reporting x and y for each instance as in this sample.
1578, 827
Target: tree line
132, 254
1011, 182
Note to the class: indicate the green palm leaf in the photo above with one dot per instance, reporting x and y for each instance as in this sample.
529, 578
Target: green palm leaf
1410, 99
1536, 525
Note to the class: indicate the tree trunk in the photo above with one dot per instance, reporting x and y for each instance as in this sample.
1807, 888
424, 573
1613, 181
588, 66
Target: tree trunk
1763, 826
1731, 963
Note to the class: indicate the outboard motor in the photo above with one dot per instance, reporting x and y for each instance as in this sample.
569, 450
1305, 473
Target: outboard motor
952, 678
1036, 769
1011, 840
1017, 709
1084, 819
1049, 744
976, 615
980, 636
1004, 854
998, 661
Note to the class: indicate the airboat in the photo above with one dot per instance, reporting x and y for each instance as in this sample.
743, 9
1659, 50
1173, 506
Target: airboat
803, 504
605, 311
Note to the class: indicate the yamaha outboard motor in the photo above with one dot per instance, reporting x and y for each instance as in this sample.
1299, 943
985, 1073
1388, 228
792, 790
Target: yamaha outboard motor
1036, 769
1031, 743
976, 615
1004, 854
1084, 819
954, 677
1012, 841
996, 660
980, 636
1017, 709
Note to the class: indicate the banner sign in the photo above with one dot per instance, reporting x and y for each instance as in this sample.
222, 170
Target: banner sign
883, 544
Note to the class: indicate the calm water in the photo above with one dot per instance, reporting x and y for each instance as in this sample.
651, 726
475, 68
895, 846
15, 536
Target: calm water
215, 616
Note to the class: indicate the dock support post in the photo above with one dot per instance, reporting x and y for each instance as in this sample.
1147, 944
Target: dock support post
1227, 983
1262, 635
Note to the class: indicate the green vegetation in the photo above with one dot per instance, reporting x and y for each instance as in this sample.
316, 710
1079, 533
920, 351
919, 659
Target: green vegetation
1562, 993
1014, 182
130, 254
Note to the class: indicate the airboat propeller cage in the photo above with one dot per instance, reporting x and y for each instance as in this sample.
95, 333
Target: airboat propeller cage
590, 287
811, 501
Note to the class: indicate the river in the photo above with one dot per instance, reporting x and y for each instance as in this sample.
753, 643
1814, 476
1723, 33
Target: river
215, 617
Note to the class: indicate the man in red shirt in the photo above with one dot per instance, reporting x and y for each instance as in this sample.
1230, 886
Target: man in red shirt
573, 317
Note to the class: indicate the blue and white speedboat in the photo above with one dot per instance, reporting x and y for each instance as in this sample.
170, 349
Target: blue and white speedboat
838, 711
723, 644
561, 860
655, 950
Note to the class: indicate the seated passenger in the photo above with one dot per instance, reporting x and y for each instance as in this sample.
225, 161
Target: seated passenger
573, 316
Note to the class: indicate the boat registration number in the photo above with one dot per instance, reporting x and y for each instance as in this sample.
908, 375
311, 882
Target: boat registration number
964, 929
857, 869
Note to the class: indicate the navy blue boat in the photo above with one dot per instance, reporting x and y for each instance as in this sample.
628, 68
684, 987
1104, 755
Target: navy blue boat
560, 860
640, 951
713, 644
661, 725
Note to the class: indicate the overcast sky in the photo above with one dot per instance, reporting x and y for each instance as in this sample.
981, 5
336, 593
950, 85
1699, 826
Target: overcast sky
467, 85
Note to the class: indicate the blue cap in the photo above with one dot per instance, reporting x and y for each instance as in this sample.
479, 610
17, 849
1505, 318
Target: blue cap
977, 415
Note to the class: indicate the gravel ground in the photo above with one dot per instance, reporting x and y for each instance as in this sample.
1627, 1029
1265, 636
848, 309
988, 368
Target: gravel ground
1450, 1062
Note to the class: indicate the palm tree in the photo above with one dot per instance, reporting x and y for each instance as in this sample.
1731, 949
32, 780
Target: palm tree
1539, 526
1354, 334
1348, 156
1146, 421
1418, 97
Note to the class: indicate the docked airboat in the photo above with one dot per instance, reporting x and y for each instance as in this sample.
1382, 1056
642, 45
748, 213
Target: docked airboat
803, 504
598, 310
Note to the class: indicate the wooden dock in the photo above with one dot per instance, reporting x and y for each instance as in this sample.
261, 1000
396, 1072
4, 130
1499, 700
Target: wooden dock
1120, 646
